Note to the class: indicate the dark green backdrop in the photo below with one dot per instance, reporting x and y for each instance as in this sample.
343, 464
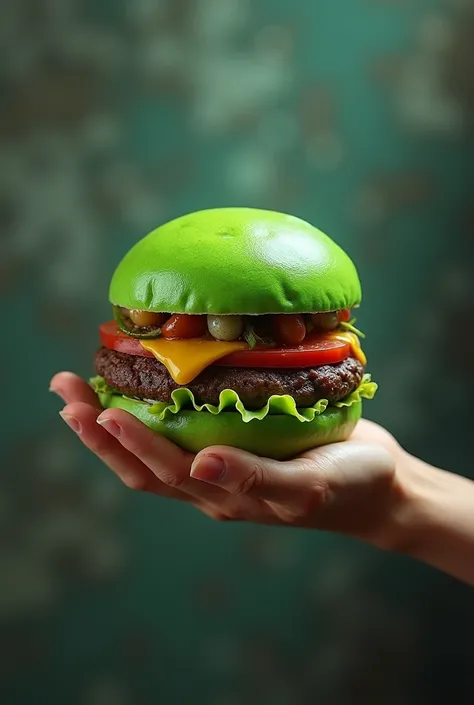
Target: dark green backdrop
117, 116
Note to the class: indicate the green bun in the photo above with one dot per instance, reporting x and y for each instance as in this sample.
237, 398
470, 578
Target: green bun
276, 436
236, 260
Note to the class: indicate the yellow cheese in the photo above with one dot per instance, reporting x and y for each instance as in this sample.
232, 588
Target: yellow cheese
185, 359
352, 339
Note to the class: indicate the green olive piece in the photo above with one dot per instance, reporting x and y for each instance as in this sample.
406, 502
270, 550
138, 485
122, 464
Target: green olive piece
326, 321
225, 327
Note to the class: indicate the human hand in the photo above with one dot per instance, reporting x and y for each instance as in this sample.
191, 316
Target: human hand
353, 487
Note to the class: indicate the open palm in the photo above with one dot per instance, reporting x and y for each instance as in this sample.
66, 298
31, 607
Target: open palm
346, 487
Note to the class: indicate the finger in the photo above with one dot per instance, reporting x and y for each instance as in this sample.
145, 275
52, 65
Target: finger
310, 479
72, 388
169, 463
242, 473
82, 418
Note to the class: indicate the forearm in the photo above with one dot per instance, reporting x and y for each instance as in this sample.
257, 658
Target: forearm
435, 519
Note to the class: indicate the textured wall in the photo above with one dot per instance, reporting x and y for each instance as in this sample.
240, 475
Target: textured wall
117, 116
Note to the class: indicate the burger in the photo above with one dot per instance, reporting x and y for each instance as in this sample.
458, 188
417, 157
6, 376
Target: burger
233, 326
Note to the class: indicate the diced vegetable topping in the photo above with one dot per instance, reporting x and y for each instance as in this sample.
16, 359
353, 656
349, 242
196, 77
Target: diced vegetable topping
145, 319
126, 325
289, 329
278, 329
326, 321
225, 327
182, 325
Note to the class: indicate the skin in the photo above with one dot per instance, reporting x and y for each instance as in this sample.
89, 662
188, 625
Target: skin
369, 487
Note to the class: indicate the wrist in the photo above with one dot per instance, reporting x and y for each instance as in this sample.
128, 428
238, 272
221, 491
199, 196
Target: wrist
432, 517
402, 515
415, 489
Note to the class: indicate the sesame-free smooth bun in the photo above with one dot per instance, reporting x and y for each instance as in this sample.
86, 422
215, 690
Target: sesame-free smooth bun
236, 261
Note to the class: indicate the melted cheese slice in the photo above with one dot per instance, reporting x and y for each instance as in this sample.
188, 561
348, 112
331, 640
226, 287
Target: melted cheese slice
351, 338
185, 359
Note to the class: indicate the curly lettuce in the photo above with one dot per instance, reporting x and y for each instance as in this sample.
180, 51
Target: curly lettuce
229, 400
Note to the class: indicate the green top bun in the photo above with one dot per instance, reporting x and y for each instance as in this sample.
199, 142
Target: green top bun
236, 260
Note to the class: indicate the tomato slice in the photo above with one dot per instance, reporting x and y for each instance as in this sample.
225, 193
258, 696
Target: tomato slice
316, 350
113, 338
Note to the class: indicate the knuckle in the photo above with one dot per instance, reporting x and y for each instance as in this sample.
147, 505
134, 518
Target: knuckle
234, 514
305, 506
253, 481
317, 495
144, 445
107, 453
317, 492
135, 482
138, 449
288, 514
295, 513
101, 449
315, 500
173, 479
217, 514
223, 517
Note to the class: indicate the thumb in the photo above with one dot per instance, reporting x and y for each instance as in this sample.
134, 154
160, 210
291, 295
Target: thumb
319, 473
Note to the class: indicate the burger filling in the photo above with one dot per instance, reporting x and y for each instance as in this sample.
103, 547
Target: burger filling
146, 378
283, 329
148, 355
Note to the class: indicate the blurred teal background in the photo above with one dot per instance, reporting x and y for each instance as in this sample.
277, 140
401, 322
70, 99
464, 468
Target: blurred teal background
117, 116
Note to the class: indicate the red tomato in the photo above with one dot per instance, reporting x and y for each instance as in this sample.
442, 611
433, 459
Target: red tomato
345, 315
315, 351
182, 325
289, 329
113, 338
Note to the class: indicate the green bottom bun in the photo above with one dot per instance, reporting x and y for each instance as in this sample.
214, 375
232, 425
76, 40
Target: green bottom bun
276, 436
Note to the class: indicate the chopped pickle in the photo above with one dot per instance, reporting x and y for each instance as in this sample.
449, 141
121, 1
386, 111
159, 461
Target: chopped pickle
126, 325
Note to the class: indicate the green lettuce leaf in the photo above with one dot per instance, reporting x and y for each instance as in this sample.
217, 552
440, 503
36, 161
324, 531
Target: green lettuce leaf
284, 404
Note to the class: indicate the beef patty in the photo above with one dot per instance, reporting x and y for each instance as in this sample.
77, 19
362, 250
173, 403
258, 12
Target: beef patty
146, 378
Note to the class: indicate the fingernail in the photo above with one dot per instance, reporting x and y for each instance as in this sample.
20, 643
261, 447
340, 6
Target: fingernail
110, 426
57, 391
209, 468
71, 421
